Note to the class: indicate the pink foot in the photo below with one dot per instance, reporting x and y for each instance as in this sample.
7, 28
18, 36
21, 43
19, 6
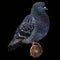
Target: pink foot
35, 43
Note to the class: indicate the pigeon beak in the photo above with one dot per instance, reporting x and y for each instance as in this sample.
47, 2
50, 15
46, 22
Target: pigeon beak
45, 8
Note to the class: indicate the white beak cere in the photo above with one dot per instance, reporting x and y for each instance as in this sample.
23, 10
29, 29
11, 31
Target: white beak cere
46, 8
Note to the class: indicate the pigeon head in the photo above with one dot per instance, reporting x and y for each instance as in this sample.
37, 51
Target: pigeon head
39, 7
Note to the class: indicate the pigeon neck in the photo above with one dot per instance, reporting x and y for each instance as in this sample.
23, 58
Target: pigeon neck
35, 12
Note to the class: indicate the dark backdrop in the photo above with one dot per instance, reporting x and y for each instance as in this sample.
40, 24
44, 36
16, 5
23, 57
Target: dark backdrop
12, 14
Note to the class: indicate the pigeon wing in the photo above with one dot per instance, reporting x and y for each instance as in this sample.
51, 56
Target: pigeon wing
23, 32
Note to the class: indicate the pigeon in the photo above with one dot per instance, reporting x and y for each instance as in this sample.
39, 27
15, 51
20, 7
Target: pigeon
34, 27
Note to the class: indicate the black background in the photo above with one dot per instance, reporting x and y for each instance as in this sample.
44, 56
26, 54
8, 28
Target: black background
12, 14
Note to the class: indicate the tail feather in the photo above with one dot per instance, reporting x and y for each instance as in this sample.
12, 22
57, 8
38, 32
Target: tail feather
13, 47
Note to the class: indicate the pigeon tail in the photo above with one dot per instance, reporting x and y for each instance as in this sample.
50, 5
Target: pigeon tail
13, 47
